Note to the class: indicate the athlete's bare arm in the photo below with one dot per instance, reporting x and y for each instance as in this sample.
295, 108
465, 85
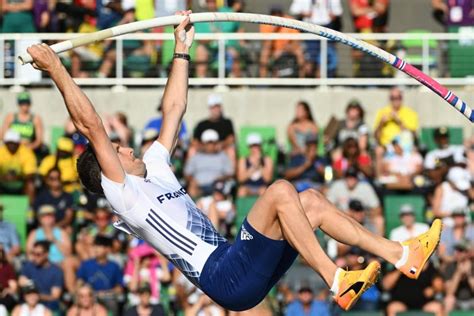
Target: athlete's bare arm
176, 91
81, 110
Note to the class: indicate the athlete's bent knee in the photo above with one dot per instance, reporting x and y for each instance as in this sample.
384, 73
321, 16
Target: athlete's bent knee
312, 198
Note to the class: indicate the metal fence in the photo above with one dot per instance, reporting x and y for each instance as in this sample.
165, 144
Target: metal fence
234, 59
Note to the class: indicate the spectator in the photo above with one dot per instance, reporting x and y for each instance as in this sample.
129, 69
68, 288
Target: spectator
282, 57
103, 275
439, 160
17, 16
353, 126
8, 284
302, 128
9, 241
145, 267
47, 276
80, 142
3, 310
452, 195
353, 157
370, 16
27, 124
206, 51
170, 7
54, 195
391, 120
32, 305
324, 13
254, 172
65, 161
145, 306
44, 12
407, 294
453, 13
85, 303
17, 166
149, 136
350, 188
409, 228
117, 126
460, 279
307, 304
216, 121
207, 166
306, 170
460, 231
59, 241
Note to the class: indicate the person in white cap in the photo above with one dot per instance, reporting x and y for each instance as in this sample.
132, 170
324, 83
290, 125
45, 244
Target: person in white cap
255, 172
210, 164
216, 121
409, 228
17, 166
152, 205
452, 194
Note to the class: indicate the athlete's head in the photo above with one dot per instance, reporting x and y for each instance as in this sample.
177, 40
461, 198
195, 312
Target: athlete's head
89, 169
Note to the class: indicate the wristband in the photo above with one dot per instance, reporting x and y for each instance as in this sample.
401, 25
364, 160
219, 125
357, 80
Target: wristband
182, 56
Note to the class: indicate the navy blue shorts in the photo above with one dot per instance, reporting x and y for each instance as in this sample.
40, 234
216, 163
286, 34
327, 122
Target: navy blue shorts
238, 276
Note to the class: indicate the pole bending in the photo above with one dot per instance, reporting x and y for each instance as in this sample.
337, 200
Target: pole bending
280, 225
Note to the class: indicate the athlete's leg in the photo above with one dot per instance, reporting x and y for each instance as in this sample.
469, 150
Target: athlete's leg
278, 214
324, 215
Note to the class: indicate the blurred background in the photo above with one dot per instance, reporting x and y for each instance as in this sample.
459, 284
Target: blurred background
265, 103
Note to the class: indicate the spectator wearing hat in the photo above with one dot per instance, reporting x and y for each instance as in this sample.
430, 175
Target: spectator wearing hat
103, 275
439, 160
451, 194
53, 194
461, 231
254, 172
65, 161
210, 164
48, 230
46, 276
409, 228
459, 277
217, 122
31, 305
302, 129
342, 191
9, 240
27, 124
145, 306
17, 166
306, 170
85, 303
307, 304
8, 283
149, 135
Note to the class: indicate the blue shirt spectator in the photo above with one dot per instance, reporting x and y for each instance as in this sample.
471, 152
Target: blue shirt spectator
102, 276
8, 237
155, 124
307, 305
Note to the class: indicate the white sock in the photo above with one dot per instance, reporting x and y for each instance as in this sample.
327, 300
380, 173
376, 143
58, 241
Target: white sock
403, 260
335, 284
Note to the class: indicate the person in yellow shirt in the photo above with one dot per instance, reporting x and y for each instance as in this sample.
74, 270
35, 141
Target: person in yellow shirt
65, 161
17, 166
395, 118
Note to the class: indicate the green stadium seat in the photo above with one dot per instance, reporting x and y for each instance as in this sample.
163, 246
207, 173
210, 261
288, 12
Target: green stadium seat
243, 206
167, 49
415, 46
392, 204
362, 313
462, 313
15, 212
427, 139
460, 54
415, 313
268, 134
56, 133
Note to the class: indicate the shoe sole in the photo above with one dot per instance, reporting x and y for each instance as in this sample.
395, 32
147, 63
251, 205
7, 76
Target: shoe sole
418, 272
371, 275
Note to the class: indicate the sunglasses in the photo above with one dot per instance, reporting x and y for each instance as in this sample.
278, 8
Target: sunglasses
395, 98
37, 253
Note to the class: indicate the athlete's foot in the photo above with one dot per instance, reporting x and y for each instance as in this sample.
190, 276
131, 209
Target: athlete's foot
418, 250
353, 283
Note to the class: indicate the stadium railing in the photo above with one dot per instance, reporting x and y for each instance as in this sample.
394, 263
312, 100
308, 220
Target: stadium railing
442, 55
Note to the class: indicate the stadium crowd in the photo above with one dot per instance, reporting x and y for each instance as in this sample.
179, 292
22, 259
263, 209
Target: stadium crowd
74, 262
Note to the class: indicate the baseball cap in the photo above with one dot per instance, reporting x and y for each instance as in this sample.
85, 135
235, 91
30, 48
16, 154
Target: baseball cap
149, 134
220, 186
305, 289
209, 135
30, 287
144, 288
460, 177
254, 139
23, 97
213, 100
442, 131
406, 209
462, 245
46, 209
102, 241
11, 136
352, 172
356, 205
65, 144
459, 211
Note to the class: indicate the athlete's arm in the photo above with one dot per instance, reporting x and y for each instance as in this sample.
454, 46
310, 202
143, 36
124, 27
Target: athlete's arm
176, 91
81, 110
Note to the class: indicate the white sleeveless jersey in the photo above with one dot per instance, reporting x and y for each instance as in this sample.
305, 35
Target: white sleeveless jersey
158, 210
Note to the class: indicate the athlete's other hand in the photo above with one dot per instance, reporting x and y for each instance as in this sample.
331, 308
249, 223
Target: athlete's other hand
184, 33
44, 58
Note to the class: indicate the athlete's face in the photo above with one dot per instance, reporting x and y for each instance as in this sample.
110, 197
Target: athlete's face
131, 164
